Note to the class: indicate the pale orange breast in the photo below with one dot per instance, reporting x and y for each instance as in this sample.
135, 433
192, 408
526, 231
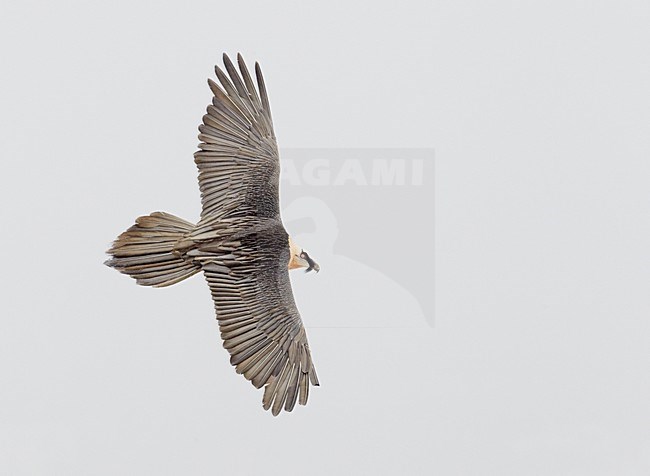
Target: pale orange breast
295, 251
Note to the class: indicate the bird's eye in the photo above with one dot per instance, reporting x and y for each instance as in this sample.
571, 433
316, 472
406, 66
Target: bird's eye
303, 255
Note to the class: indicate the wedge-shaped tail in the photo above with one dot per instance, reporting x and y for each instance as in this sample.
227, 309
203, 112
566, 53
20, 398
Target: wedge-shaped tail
146, 251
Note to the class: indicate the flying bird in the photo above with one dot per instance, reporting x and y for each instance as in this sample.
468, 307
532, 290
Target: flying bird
239, 243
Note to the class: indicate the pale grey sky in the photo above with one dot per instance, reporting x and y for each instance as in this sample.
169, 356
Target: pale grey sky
538, 362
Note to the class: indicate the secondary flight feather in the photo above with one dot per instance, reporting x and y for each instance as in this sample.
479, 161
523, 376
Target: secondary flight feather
239, 243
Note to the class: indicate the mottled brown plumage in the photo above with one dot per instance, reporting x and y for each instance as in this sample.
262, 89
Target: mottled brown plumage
239, 243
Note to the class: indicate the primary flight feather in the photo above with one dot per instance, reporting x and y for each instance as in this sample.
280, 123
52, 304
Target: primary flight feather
239, 242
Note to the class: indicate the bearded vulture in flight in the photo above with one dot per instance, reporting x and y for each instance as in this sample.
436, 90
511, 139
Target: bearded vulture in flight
239, 243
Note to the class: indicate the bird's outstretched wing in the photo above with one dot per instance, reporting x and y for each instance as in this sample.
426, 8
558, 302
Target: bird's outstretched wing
258, 319
238, 159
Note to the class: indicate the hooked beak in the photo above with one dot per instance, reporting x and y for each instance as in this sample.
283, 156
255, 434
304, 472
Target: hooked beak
311, 264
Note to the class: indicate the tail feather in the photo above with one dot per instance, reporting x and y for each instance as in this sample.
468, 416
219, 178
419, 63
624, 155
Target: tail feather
146, 251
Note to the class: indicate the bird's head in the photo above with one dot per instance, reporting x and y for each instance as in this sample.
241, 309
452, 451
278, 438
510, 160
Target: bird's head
301, 259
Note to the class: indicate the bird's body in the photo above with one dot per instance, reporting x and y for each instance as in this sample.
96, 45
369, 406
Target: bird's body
239, 243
